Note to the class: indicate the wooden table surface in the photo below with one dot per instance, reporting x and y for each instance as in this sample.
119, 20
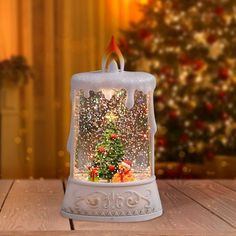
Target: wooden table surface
191, 207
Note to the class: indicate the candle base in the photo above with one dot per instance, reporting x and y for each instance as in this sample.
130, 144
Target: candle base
114, 202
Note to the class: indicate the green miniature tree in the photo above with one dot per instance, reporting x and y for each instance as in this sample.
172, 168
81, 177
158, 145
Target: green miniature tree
108, 153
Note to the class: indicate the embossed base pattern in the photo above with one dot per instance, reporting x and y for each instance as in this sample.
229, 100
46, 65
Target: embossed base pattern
117, 202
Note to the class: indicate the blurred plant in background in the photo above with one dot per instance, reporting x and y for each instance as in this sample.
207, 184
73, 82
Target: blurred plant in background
15, 71
190, 46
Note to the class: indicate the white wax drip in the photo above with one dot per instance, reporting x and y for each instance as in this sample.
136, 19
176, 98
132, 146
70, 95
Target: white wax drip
86, 93
108, 93
110, 81
130, 98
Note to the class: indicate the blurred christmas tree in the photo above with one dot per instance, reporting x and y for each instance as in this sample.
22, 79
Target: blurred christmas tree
190, 45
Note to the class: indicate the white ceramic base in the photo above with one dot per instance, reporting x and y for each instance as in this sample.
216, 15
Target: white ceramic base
112, 219
116, 202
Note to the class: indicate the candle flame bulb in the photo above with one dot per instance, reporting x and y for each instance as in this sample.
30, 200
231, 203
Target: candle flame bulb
108, 63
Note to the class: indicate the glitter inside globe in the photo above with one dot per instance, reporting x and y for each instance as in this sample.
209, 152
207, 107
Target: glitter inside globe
91, 115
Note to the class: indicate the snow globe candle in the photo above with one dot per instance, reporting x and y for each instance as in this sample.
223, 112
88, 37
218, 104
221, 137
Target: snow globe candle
111, 145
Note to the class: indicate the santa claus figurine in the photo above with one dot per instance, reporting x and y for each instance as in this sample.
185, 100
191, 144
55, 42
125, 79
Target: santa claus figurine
124, 173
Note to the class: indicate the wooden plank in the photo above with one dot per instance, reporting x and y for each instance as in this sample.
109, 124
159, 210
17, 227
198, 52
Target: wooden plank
213, 196
4, 188
34, 205
181, 215
231, 184
106, 233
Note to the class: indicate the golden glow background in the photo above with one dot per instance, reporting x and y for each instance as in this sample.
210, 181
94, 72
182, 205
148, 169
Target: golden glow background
58, 38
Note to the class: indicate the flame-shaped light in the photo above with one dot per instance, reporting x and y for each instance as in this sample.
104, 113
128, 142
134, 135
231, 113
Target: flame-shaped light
107, 60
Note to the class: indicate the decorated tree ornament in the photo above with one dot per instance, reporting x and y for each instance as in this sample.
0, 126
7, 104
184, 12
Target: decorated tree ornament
111, 168
161, 141
223, 73
200, 124
198, 64
185, 60
165, 71
111, 144
114, 136
173, 114
225, 116
101, 149
184, 138
144, 34
219, 11
209, 106
211, 38
221, 95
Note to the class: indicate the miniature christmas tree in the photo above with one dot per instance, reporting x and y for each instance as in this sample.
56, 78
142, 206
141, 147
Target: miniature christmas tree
109, 153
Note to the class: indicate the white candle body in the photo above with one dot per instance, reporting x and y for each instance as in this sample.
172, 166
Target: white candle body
136, 133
